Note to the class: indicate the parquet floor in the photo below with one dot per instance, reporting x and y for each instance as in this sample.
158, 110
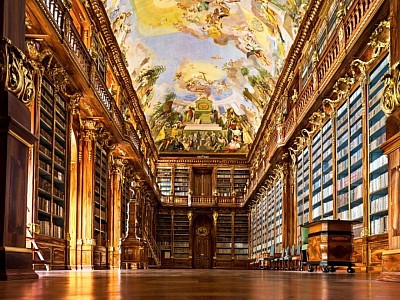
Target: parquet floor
199, 284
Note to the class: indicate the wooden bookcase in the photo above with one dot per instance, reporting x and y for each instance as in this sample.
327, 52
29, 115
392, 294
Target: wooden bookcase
240, 179
278, 189
164, 235
164, 180
224, 236
181, 236
181, 181
378, 162
350, 163
303, 184
100, 196
241, 236
224, 182
51, 205
268, 221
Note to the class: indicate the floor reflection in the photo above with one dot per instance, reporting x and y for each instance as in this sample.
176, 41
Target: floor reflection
198, 284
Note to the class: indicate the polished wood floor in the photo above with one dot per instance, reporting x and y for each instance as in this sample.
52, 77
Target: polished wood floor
199, 284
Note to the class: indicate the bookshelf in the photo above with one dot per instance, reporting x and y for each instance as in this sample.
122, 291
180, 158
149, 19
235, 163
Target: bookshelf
342, 162
322, 182
181, 236
241, 236
278, 190
100, 196
224, 236
163, 234
224, 182
51, 205
240, 179
263, 224
303, 171
126, 196
316, 177
327, 171
349, 161
257, 225
181, 181
355, 156
271, 218
378, 163
164, 180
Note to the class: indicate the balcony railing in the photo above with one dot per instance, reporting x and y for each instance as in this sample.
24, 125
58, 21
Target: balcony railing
202, 201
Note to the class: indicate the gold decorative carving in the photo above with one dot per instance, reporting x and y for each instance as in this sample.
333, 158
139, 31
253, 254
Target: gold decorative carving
390, 101
16, 72
341, 12
316, 121
28, 22
104, 137
215, 217
379, 40
117, 164
341, 89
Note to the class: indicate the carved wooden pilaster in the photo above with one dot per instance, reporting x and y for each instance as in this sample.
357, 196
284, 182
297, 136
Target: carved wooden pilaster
17, 90
114, 210
132, 246
85, 240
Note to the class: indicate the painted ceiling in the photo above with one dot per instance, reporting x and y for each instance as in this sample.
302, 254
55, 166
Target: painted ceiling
204, 70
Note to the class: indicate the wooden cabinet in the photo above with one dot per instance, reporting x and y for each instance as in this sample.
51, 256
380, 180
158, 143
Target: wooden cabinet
330, 243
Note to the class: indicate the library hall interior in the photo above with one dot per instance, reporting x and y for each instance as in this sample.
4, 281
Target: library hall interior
193, 149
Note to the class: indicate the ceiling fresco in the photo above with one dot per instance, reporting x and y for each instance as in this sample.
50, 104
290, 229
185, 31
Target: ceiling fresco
204, 71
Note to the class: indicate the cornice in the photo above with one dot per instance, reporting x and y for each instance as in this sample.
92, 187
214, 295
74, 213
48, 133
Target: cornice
203, 162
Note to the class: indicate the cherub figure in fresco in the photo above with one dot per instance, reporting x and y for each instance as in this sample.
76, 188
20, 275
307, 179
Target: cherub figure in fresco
233, 145
252, 47
119, 21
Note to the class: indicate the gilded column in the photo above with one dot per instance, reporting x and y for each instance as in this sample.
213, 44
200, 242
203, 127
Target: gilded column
85, 241
114, 210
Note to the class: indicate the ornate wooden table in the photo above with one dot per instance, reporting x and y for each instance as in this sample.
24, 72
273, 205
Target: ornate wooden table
330, 245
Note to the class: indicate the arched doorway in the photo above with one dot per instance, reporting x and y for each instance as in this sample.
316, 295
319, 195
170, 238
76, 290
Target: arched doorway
202, 246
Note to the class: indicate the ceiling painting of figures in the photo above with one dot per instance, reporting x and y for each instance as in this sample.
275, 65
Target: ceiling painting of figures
204, 70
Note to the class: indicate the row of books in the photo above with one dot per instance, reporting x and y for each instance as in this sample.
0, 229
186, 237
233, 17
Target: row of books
46, 228
380, 204
45, 205
379, 225
379, 183
377, 163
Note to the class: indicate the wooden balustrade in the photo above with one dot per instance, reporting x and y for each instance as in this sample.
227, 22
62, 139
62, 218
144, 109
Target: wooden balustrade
197, 201
131, 136
353, 17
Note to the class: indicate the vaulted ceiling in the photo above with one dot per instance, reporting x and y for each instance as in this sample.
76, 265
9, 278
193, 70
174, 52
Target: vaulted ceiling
204, 71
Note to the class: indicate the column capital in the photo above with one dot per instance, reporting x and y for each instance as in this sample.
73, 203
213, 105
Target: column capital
89, 129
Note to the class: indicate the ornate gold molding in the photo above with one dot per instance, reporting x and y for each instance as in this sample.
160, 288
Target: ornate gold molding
16, 72
342, 90
379, 40
390, 101
104, 137
117, 165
